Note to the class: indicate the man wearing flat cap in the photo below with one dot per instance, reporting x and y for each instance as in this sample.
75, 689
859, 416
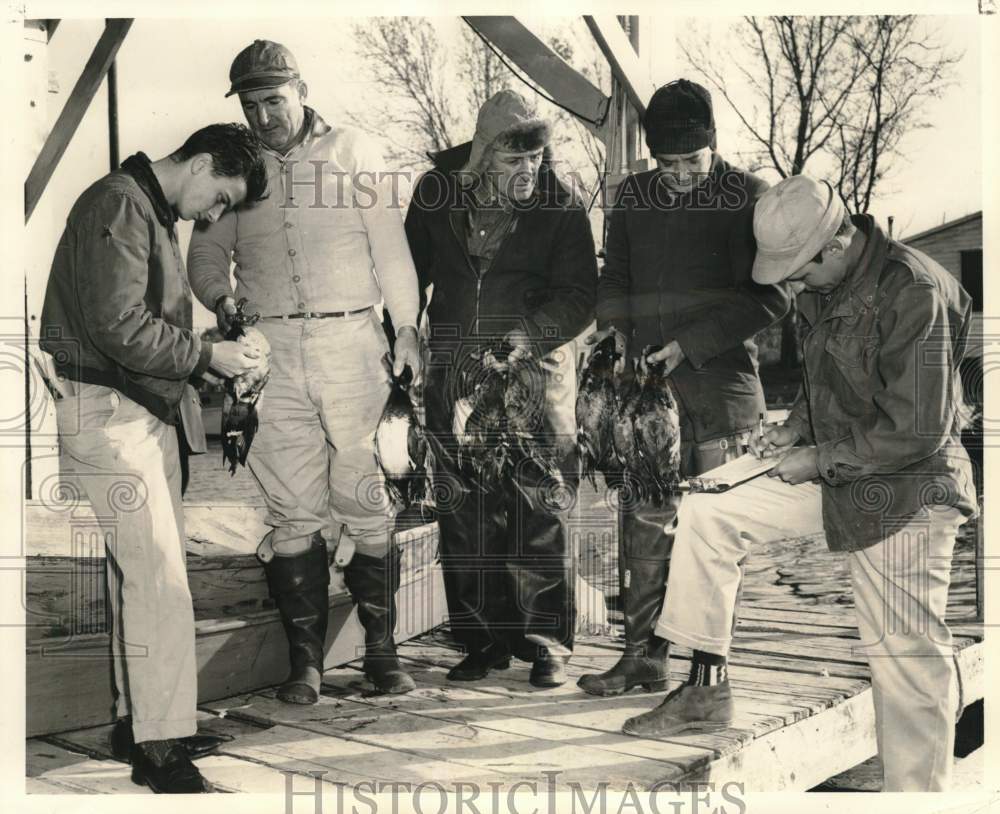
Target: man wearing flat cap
315, 259
870, 456
679, 252
508, 253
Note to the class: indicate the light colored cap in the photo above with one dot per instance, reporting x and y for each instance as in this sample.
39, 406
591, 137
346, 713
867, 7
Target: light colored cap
792, 222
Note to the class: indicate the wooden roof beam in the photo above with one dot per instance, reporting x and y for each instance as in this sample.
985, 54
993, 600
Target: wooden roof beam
546, 68
73, 111
624, 61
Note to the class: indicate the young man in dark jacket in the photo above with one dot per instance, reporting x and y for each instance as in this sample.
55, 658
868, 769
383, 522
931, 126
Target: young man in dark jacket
679, 251
117, 321
871, 455
510, 256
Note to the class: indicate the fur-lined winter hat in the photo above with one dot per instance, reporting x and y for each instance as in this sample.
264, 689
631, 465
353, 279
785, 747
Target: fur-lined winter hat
505, 122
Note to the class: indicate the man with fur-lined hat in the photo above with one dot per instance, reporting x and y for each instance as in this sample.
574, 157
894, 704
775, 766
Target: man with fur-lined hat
509, 255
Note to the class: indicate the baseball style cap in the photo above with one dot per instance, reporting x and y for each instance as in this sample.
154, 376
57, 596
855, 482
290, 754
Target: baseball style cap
263, 64
792, 222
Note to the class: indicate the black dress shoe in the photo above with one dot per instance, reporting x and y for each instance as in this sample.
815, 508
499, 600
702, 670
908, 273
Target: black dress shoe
478, 664
197, 745
165, 767
548, 670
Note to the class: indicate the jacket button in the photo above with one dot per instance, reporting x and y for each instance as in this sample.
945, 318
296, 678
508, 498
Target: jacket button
296, 278
302, 305
291, 252
288, 225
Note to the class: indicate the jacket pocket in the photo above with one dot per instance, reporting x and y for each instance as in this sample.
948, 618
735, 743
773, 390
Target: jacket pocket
852, 351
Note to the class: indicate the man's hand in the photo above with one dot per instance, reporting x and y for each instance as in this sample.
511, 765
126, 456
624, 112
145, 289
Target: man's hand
798, 466
231, 359
407, 352
599, 336
225, 310
778, 439
671, 355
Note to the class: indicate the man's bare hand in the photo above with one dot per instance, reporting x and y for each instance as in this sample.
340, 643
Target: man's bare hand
231, 359
599, 336
798, 466
671, 355
407, 353
778, 439
225, 310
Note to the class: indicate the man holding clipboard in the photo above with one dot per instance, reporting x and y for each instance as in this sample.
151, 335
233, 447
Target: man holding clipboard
870, 455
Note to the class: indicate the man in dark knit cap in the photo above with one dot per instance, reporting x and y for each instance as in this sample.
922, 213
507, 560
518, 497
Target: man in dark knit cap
679, 254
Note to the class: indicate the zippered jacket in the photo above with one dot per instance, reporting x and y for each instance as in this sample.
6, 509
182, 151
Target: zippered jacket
882, 396
542, 279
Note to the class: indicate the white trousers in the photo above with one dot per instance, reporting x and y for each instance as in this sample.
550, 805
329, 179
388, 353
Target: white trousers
124, 459
900, 595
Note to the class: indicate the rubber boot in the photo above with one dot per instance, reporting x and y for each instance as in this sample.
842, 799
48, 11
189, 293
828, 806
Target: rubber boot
373, 582
299, 586
642, 584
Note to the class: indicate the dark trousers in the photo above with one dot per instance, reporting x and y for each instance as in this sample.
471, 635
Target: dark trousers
504, 550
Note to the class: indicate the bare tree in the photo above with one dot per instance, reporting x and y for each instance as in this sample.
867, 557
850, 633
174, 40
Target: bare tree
841, 90
902, 68
404, 56
481, 71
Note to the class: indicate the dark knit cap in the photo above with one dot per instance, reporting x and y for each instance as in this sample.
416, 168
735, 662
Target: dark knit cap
679, 119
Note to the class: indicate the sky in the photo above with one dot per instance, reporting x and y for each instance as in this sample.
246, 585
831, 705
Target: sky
172, 76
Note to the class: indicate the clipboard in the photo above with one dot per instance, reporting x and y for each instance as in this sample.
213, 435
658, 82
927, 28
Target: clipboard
730, 474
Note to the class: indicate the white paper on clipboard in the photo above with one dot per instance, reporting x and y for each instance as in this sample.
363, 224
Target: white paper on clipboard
730, 474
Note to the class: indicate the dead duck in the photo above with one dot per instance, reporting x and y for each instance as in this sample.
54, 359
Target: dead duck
243, 392
596, 406
400, 443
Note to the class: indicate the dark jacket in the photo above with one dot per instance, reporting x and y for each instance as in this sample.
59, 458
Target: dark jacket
679, 269
882, 392
117, 306
543, 278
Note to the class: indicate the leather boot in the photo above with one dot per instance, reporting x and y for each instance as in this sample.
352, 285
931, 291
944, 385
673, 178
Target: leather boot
166, 768
373, 582
686, 709
644, 661
477, 664
122, 742
299, 586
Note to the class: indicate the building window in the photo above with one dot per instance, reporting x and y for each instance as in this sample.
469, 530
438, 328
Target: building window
972, 276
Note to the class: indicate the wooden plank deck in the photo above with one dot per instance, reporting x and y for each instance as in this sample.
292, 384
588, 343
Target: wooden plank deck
802, 688
797, 681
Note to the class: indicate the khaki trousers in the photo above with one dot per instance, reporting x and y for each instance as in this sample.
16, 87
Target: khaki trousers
125, 461
314, 453
900, 590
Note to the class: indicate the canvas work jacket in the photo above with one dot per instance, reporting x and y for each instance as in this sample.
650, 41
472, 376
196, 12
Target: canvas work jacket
678, 268
117, 306
882, 396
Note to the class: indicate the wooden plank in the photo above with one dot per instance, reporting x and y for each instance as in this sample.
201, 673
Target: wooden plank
234, 655
73, 111
90, 746
608, 715
545, 67
498, 743
67, 594
622, 58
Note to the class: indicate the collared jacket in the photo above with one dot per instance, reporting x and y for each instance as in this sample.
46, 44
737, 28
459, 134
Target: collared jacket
542, 278
328, 237
117, 306
678, 268
882, 396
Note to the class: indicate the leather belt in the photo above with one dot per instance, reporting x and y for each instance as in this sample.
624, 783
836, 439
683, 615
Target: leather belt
319, 314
